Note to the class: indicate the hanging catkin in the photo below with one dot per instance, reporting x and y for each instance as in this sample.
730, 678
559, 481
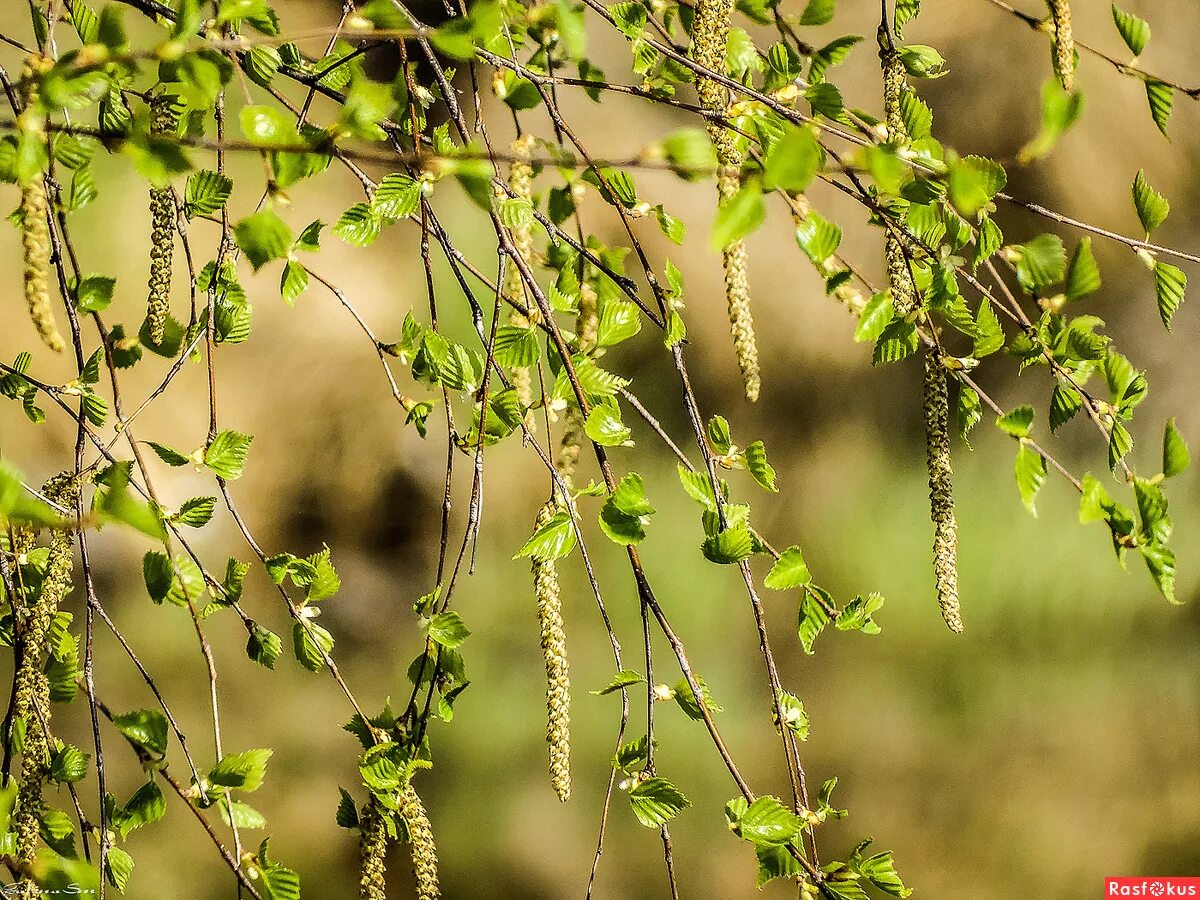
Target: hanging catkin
941, 490
31, 701
554, 653
520, 182
35, 238
710, 35
420, 843
162, 233
1064, 43
545, 573
372, 848
935, 405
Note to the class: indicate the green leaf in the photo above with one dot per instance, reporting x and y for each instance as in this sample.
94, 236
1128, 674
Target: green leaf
196, 512
95, 293
794, 716
205, 193
738, 216
788, 572
1135, 32
263, 646
1065, 401
719, 435
145, 728
626, 511
1040, 263
263, 237
397, 196
729, 546
147, 805
624, 678
1175, 453
604, 425
226, 455
690, 152
1120, 442
1018, 422
759, 468
818, 12
1170, 283
974, 181
814, 616
656, 801
268, 126
1030, 471
311, 644
1152, 207
1161, 98
244, 771
818, 237
768, 822
895, 342
118, 868
1083, 275
792, 161
554, 540
922, 62
359, 225
875, 317
68, 765
1160, 561
687, 700
989, 335
1060, 111
857, 614
448, 629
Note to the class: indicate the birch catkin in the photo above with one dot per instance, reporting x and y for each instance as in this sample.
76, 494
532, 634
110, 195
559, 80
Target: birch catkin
31, 701
554, 653
710, 35
935, 401
420, 843
520, 182
372, 848
162, 234
1064, 43
35, 237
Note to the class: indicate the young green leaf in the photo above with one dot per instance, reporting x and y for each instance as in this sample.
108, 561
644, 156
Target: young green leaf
1175, 453
656, 801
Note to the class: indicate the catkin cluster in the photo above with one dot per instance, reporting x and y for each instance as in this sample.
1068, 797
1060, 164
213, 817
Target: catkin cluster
935, 404
1064, 43
372, 848
35, 236
31, 700
710, 35
420, 842
162, 230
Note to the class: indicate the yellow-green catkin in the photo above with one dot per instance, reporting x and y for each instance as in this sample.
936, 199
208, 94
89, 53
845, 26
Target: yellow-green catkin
35, 233
554, 653
935, 399
520, 182
31, 702
1064, 43
941, 490
420, 842
162, 230
372, 848
710, 35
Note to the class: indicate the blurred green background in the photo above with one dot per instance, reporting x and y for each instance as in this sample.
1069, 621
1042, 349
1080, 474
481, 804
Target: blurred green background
1057, 741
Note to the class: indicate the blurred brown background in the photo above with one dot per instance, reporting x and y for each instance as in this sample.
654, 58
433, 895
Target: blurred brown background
1056, 742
